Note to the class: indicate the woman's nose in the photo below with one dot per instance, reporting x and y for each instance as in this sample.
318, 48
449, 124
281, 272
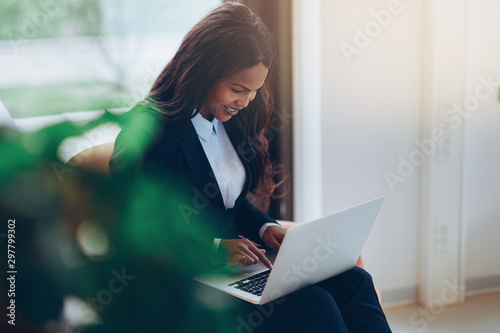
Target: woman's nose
244, 101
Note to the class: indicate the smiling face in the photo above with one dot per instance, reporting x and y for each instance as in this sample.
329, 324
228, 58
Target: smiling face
226, 98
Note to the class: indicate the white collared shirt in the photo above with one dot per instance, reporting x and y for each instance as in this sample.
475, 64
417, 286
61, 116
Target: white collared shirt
225, 162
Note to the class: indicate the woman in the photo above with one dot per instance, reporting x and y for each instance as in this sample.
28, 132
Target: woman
214, 101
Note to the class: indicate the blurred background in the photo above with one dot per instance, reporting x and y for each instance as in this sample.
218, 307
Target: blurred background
398, 98
60, 56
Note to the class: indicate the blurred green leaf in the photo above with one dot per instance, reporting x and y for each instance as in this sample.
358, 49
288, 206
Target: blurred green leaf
148, 240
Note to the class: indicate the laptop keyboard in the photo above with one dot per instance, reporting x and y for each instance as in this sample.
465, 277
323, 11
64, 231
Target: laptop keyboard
254, 284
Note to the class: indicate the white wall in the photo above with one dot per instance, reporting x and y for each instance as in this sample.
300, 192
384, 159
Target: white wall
371, 109
370, 116
482, 144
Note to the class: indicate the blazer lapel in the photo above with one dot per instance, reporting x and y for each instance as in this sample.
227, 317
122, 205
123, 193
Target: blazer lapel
198, 162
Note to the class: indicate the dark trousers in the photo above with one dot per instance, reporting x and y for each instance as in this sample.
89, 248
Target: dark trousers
345, 303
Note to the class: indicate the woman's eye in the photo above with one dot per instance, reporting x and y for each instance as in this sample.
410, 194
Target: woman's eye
237, 91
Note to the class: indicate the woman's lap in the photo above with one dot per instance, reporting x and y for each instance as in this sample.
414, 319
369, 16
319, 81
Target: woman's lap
344, 303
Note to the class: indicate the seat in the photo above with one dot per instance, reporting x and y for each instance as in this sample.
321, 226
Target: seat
95, 158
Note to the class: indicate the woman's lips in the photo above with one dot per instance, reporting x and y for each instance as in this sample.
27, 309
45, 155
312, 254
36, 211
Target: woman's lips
231, 111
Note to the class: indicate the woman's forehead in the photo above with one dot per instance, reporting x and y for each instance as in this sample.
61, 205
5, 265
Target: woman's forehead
251, 78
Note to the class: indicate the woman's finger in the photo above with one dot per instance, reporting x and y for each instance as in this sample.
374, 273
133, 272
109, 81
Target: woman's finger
243, 261
252, 256
261, 256
251, 241
260, 253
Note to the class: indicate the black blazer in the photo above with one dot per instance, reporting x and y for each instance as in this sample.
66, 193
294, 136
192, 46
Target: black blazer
176, 155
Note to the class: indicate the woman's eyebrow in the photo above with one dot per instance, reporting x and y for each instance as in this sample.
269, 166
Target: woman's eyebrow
242, 86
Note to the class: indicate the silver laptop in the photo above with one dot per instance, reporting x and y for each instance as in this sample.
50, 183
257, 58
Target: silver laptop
310, 253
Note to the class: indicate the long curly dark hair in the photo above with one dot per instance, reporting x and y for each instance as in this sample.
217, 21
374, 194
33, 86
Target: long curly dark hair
228, 40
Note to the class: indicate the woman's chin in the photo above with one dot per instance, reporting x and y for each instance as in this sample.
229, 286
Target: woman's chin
223, 117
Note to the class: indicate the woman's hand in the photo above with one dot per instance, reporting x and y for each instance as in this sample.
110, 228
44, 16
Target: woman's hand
273, 236
244, 251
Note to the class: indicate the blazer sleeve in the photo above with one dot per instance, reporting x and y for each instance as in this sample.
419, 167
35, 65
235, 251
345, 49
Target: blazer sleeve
249, 219
133, 144
137, 156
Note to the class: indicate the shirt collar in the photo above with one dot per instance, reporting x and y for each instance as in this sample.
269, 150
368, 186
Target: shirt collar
204, 127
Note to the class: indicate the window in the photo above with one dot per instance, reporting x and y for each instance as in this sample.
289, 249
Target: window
73, 55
